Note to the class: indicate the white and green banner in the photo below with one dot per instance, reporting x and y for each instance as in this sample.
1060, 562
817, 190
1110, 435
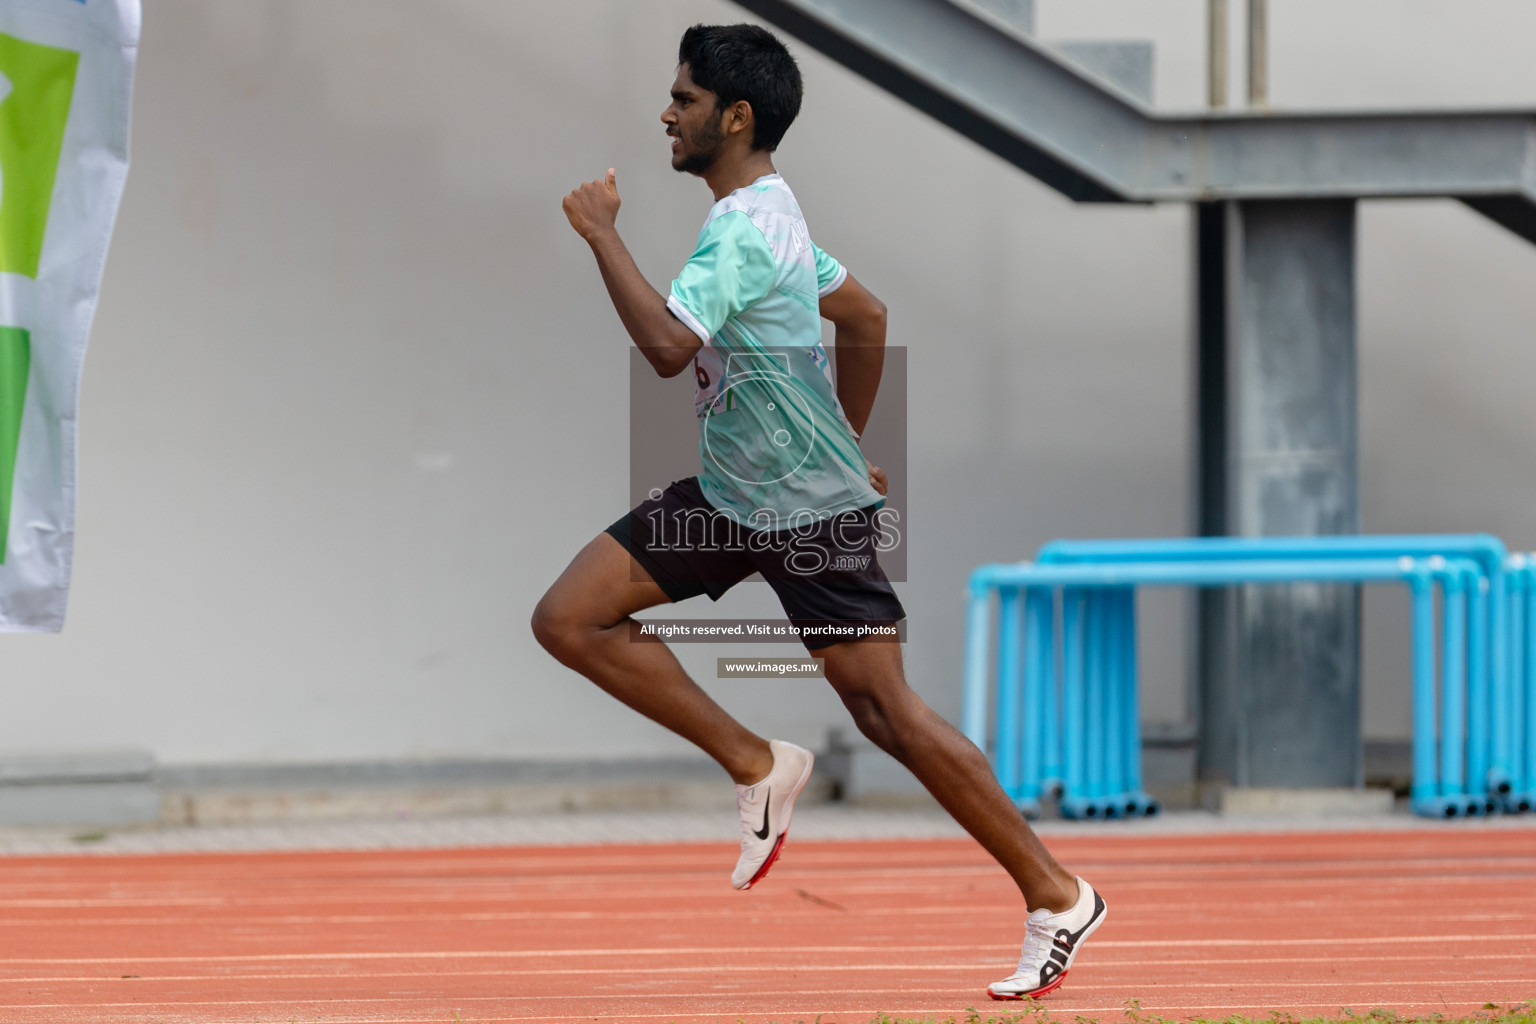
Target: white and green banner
66, 78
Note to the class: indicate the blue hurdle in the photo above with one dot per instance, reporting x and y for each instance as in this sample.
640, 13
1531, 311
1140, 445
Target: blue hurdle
1494, 751
1521, 722
1094, 708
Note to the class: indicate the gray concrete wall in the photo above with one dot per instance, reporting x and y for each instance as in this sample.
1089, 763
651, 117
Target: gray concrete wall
355, 394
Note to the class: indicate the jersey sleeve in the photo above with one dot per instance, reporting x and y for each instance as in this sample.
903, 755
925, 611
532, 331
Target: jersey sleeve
732, 270
830, 274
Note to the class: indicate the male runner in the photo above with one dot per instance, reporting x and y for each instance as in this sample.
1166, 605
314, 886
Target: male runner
783, 489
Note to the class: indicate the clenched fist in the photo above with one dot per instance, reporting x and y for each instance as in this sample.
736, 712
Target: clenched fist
593, 207
877, 479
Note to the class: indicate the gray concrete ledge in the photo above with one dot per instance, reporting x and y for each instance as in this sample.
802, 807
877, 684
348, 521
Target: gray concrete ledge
1309, 803
429, 772
107, 787
812, 823
115, 788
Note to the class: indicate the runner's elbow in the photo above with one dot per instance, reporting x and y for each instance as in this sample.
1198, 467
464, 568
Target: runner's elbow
876, 315
669, 366
671, 359
863, 326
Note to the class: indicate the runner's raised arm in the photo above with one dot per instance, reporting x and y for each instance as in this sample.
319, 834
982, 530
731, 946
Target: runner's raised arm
593, 209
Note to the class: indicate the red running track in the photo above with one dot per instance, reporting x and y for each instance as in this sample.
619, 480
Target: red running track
1441, 920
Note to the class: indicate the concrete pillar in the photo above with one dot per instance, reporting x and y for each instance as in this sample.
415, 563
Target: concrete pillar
1277, 454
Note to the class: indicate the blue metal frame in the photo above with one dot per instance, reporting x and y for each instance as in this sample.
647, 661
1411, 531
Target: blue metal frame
1494, 747
1097, 684
1522, 702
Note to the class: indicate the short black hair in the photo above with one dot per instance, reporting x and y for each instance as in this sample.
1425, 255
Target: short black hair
746, 62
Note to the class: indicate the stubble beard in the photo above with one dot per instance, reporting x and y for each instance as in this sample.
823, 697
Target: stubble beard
710, 139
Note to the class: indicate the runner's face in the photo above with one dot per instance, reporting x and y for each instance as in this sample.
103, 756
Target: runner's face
693, 122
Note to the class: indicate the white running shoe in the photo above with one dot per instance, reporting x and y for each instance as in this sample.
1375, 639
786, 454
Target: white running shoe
765, 809
1051, 942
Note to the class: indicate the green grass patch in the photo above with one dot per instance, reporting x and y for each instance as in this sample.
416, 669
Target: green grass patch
1032, 1012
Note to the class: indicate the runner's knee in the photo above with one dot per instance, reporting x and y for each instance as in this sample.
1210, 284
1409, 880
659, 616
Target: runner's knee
556, 627
869, 716
880, 717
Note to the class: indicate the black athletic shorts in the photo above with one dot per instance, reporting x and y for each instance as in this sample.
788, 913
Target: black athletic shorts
825, 572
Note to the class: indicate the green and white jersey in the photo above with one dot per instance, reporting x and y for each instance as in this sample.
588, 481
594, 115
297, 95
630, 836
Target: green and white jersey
773, 438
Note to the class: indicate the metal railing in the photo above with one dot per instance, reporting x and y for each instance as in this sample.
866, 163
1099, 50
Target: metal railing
1066, 701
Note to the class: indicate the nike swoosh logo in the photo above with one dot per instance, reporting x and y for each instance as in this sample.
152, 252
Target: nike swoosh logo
762, 833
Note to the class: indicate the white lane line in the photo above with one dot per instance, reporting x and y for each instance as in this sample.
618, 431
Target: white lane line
752, 950
721, 993
1097, 966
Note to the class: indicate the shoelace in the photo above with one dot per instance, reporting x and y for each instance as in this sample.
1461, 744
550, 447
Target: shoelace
1037, 944
742, 795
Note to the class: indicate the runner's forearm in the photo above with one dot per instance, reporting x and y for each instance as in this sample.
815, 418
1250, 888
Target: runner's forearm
859, 364
666, 343
860, 343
